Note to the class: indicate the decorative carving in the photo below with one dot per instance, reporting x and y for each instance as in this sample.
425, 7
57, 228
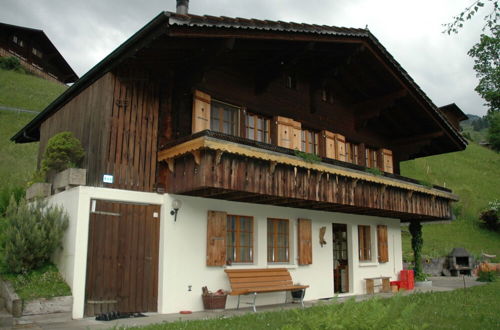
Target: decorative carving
170, 163
197, 156
218, 156
322, 232
272, 166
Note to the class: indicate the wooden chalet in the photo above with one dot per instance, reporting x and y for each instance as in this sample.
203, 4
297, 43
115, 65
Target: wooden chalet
310, 121
215, 107
36, 53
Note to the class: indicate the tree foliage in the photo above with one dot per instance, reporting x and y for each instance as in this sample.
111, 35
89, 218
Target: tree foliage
486, 54
494, 131
63, 151
490, 19
31, 234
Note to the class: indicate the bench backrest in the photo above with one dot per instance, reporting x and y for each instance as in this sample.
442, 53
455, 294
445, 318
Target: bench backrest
241, 279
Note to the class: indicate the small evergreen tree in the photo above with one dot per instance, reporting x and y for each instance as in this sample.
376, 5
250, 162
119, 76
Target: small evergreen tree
63, 151
32, 233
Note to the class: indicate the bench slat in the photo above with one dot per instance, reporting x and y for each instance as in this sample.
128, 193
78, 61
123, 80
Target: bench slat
253, 270
261, 279
261, 284
268, 289
257, 274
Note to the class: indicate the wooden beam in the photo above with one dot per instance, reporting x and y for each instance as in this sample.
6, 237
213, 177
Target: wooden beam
417, 139
373, 107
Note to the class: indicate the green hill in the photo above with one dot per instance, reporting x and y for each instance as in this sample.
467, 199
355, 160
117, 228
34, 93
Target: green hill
19, 90
474, 175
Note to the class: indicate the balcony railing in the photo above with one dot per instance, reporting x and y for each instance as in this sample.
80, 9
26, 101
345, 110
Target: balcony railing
215, 165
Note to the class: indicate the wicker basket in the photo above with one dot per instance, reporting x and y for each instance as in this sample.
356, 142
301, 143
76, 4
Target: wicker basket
214, 301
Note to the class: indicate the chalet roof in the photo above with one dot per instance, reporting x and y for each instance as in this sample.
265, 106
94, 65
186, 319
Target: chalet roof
56, 59
206, 25
454, 109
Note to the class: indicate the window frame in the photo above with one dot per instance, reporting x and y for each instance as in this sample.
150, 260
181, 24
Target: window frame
306, 136
365, 250
275, 248
219, 107
235, 257
256, 118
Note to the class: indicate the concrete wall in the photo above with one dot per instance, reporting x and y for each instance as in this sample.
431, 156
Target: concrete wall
183, 248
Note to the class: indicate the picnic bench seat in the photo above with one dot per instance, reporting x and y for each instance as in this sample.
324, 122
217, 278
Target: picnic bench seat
253, 281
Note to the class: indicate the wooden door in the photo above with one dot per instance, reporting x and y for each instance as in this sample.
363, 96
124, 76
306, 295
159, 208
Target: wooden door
122, 258
340, 258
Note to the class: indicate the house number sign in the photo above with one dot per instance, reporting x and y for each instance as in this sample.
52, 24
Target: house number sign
106, 178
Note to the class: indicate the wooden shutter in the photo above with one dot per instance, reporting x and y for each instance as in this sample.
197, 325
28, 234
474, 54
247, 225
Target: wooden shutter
383, 251
201, 111
386, 161
305, 242
216, 238
327, 144
286, 132
340, 147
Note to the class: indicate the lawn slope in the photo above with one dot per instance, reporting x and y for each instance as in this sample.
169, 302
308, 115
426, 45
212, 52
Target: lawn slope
18, 90
474, 175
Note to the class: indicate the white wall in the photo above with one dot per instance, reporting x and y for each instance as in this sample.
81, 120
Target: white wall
183, 248
185, 252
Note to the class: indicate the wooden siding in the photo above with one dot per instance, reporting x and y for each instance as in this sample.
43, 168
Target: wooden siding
233, 177
133, 141
87, 116
116, 119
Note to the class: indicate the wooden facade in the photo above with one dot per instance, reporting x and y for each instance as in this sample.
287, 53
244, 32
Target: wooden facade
325, 91
217, 169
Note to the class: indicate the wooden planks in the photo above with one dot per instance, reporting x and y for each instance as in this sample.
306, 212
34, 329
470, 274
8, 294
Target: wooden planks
122, 259
116, 119
290, 185
133, 136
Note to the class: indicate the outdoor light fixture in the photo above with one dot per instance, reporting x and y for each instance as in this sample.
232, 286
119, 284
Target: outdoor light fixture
176, 205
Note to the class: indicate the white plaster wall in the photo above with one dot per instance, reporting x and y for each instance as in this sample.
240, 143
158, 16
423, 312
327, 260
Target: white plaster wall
185, 252
182, 259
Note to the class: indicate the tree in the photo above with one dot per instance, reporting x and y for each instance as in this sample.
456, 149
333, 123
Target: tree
494, 131
486, 52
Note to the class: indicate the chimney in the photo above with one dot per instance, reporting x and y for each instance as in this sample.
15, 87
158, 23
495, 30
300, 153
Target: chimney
182, 7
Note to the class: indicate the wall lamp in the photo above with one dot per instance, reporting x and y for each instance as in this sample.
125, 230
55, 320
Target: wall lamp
176, 205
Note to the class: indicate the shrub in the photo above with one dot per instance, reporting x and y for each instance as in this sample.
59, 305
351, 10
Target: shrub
10, 63
308, 157
63, 151
486, 276
31, 234
6, 193
374, 171
490, 217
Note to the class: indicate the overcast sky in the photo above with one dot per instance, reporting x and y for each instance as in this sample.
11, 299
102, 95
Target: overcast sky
86, 31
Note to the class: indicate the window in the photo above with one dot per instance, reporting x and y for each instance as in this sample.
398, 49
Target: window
352, 152
371, 158
257, 128
309, 141
18, 41
364, 238
277, 240
291, 81
224, 118
36, 52
239, 238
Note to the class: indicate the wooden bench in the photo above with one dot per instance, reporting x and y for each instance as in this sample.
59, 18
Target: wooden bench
253, 281
370, 285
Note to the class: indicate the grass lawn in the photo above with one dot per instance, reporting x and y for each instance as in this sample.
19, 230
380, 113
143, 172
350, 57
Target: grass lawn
45, 282
473, 308
26, 91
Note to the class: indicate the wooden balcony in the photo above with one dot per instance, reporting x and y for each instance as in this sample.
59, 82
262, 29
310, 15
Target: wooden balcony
214, 165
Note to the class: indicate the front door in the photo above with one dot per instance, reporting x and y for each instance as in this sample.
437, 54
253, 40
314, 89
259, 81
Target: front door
122, 258
340, 259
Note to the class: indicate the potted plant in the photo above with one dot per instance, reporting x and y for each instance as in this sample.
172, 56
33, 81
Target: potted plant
61, 159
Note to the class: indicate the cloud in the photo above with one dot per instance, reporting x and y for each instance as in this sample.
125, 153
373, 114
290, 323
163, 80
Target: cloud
86, 31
